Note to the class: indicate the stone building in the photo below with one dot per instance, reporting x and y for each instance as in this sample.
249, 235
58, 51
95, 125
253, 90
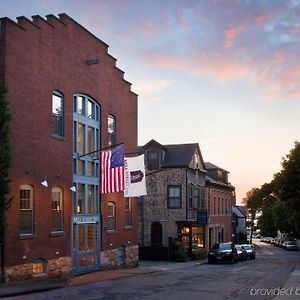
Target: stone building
175, 207
221, 199
67, 99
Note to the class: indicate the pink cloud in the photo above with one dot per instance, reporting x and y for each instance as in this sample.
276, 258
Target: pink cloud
277, 58
230, 36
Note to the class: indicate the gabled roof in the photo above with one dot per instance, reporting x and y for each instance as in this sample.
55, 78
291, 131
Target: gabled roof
210, 166
176, 155
179, 155
212, 181
151, 143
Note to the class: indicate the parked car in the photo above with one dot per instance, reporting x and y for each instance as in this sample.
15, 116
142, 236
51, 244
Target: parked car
290, 245
241, 252
221, 252
251, 252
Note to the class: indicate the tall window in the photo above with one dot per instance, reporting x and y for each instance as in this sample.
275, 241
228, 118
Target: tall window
197, 198
112, 137
174, 196
202, 204
128, 220
57, 209
86, 132
111, 216
57, 114
153, 162
26, 209
190, 197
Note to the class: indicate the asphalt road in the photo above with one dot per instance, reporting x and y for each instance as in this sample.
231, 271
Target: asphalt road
250, 279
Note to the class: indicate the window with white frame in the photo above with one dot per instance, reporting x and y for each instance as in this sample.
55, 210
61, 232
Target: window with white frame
174, 196
57, 209
26, 209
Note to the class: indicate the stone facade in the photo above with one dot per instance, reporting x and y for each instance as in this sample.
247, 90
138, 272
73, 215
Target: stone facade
53, 268
110, 258
179, 166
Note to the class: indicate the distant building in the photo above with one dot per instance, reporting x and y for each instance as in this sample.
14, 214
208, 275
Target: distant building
175, 207
67, 99
221, 198
239, 220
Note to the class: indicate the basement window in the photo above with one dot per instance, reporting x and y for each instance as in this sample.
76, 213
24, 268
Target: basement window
39, 266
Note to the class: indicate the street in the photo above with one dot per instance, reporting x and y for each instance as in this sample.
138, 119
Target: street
251, 279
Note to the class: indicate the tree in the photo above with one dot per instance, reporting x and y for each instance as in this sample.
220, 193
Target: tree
287, 212
4, 165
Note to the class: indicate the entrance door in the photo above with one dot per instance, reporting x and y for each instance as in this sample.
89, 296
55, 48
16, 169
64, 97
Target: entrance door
85, 253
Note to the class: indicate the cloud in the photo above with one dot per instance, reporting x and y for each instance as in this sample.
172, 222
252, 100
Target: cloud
230, 35
150, 90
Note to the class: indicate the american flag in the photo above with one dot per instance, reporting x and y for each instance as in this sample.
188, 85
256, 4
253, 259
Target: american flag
112, 170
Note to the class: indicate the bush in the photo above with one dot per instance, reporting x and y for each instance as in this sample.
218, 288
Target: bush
200, 253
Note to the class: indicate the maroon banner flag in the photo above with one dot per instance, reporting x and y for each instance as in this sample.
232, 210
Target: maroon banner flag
112, 170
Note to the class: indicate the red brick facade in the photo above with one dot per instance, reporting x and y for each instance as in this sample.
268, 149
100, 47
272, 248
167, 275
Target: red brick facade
36, 58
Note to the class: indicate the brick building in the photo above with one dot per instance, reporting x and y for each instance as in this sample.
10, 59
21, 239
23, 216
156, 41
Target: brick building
175, 197
221, 199
67, 98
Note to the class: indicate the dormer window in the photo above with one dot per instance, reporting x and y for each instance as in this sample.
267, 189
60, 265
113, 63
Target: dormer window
152, 161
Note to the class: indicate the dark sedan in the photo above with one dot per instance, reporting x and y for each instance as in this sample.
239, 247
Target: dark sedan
223, 252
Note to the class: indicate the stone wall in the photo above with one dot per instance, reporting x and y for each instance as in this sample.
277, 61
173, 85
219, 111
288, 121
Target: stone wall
110, 259
59, 267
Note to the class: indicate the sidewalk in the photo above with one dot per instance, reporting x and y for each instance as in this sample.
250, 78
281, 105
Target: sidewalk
291, 289
31, 286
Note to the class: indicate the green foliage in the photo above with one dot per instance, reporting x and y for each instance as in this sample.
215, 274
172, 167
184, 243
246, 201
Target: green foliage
179, 253
199, 253
4, 159
280, 199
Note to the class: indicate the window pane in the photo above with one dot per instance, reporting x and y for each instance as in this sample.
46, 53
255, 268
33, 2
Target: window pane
90, 169
57, 209
91, 141
26, 222
153, 163
57, 115
91, 199
80, 167
80, 138
91, 110
80, 105
80, 199
111, 130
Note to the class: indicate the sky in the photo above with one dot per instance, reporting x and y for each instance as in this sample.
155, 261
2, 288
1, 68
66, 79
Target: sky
224, 74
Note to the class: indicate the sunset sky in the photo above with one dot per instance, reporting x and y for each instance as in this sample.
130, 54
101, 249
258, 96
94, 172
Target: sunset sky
224, 74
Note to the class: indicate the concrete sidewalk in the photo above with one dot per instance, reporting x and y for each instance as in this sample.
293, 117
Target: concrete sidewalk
31, 286
291, 289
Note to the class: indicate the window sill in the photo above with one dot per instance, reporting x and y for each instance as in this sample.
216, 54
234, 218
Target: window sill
58, 137
111, 231
57, 233
26, 236
127, 227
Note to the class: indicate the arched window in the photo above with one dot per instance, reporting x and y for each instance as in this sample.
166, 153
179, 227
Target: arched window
57, 209
111, 216
26, 209
57, 114
156, 234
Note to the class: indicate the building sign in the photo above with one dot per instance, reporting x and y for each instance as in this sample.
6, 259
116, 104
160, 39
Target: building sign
85, 219
201, 217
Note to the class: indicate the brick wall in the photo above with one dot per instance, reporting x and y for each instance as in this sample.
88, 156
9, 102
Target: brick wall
42, 56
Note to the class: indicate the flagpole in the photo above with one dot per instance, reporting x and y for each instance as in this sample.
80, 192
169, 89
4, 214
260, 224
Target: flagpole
102, 149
